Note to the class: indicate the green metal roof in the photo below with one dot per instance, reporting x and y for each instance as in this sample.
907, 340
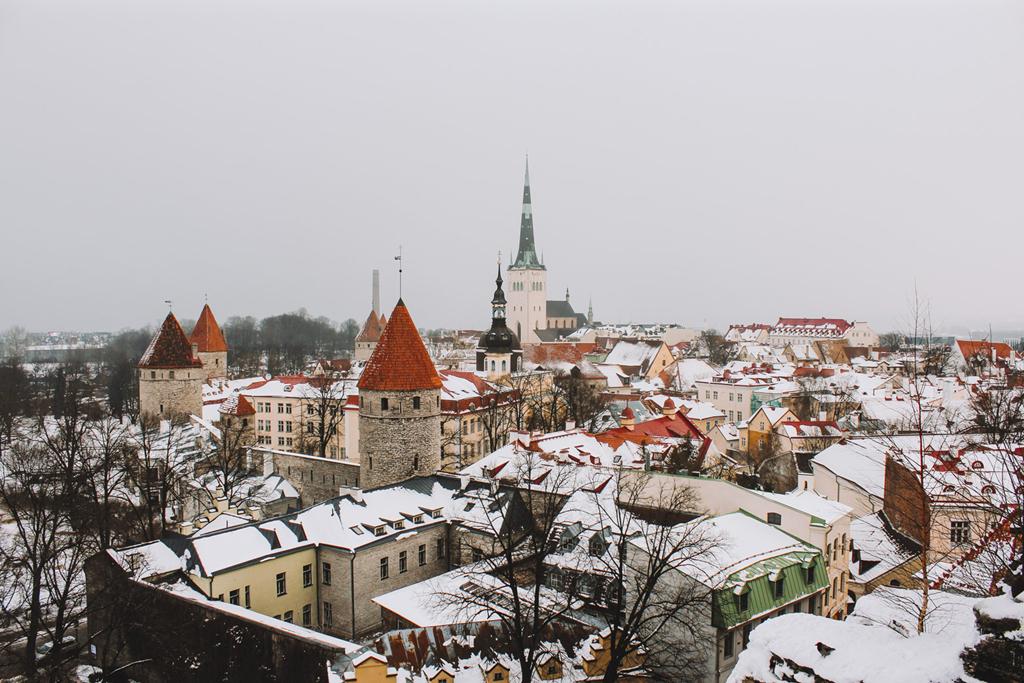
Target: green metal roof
758, 582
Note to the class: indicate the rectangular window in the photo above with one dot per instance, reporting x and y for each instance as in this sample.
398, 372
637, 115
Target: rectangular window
707, 394
334, 451
440, 548
744, 601
289, 617
288, 441
248, 604
307, 615
423, 554
280, 441
307, 575
716, 395
280, 407
403, 562
233, 597
288, 427
731, 418
959, 532
810, 575
383, 404
730, 397
739, 415
383, 568
281, 587
328, 615
739, 397
415, 402
729, 645
780, 587
288, 408
326, 567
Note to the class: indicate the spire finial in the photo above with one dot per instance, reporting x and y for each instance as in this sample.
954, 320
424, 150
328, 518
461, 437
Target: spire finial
170, 305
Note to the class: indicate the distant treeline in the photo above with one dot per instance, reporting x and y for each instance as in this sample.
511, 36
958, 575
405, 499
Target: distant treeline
279, 345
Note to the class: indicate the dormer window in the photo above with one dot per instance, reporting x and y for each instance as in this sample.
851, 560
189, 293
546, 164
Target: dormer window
399, 524
417, 519
743, 601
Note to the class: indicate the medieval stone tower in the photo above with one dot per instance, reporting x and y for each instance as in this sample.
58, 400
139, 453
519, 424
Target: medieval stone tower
213, 350
527, 279
399, 407
171, 374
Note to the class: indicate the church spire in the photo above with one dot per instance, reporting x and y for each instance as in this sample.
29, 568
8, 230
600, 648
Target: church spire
527, 256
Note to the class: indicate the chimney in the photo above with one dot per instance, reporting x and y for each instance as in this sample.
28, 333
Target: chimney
353, 492
822, 416
570, 425
195, 351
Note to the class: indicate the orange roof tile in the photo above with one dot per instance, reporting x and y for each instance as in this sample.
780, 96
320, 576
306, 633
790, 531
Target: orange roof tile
170, 348
400, 361
237, 404
207, 333
372, 329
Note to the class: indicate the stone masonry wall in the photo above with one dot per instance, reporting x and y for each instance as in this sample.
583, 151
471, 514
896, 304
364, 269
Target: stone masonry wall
400, 442
316, 479
182, 395
367, 584
215, 363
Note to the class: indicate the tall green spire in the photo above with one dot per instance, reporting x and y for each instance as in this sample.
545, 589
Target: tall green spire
527, 256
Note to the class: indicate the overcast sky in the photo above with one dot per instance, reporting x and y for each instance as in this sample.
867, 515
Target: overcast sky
698, 160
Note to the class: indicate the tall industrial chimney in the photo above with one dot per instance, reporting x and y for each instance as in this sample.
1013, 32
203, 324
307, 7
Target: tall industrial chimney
376, 293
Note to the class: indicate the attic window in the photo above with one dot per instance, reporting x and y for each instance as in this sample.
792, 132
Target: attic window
810, 575
356, 530
780, 587
417, 519
988, 489
743, 601
976, 465
378, 530
435, 513
400, 524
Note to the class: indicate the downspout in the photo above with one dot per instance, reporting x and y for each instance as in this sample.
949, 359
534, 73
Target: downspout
352, 590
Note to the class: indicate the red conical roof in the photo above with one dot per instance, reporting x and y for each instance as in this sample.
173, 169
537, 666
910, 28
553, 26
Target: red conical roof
383, 321
400, 361
170, 348
372, 329
207, 333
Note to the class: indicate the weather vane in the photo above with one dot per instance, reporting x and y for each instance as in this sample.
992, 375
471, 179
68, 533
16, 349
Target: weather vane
170, 304
499, 258
399, 259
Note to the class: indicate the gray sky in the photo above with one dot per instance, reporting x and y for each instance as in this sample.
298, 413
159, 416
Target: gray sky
721, 160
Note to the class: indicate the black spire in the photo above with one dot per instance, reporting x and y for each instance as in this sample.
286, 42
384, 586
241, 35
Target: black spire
527, 256
499, 294
499, 339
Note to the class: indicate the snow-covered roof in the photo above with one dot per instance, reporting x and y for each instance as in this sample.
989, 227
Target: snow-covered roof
859, 461
812, 503
861, 649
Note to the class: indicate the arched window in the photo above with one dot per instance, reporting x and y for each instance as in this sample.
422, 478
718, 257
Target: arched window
503, 366
492, 366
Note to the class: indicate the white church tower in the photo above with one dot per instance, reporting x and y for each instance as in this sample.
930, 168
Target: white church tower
527, 279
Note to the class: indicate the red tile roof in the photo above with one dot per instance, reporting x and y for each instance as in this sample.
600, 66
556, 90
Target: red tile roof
237, 404
985, 348
372, 329
677, 426
207, 333
170, 348
400, 361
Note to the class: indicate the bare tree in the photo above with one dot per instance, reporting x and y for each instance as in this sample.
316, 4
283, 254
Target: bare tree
891, 341
322, 415
713, 346
661, 546
508, 550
